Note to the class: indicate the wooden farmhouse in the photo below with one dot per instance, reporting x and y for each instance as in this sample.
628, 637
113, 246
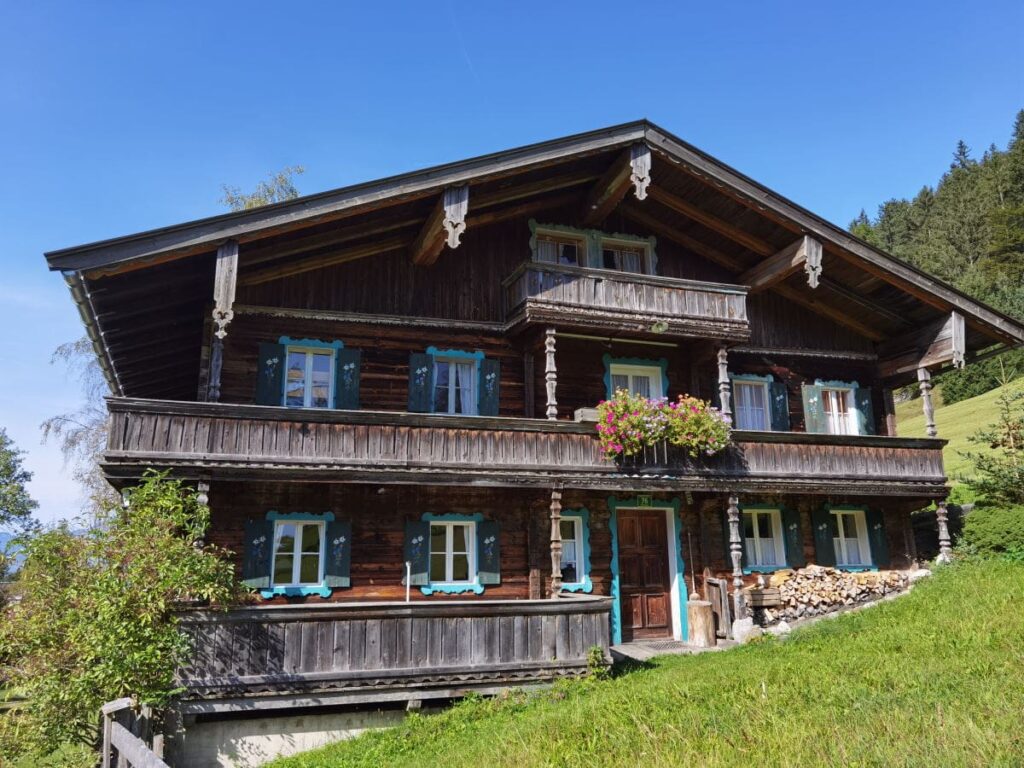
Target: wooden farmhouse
386, 394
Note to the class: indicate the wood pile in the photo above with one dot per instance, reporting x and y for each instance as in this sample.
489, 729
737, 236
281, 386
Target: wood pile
816, 590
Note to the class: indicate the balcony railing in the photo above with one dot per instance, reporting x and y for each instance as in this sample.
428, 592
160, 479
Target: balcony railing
601, 299
294, 655
250, 441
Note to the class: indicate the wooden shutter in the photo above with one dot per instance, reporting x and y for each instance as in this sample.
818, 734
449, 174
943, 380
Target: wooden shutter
338, 553
779, 405
488, 552
270, 374
793, 538
814, 409
725, 539
865, 411
347, 364
824, 530
417, 552
259, 546
490, 379
875, 521
421, 382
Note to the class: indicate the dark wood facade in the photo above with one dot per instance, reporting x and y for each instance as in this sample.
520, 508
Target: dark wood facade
735, 281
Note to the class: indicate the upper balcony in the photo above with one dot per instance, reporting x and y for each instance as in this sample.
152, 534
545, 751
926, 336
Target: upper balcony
261, 442
607, 300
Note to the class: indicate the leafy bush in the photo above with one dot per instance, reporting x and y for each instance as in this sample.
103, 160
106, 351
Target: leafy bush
997, 530
96, 620
628, 422
999, 473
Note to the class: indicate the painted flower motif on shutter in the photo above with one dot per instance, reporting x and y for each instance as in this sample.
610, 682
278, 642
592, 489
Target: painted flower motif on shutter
489, 381
259, 547
489, 547
348, 372
420, 376
417, 546
338, 550
270, 368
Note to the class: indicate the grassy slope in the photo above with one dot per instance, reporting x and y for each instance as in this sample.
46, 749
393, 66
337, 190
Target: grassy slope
936, 677
956, 423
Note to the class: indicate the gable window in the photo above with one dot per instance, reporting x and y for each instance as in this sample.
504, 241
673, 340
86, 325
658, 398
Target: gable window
643, 380
762, 538
452, 555
851, 538
624, 258
559, 249
298, 553
752, 410
840, 413
455, 383
309, 378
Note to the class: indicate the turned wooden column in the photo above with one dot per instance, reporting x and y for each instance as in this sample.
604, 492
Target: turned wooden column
924, 379
945, 543
736, 553
556, 543
724, 388
225, 277
203, 497
550, 373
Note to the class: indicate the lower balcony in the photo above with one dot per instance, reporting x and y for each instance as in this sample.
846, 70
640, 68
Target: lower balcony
272, 657
261, 442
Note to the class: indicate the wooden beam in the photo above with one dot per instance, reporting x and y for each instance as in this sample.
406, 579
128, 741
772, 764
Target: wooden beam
224, 281
444, 226
830, 286
722, 227
297, 266
934, 345
804, 253
669, 233
822, 307
608, 191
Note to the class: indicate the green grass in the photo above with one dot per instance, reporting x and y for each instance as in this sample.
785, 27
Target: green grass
934, 678
956, 423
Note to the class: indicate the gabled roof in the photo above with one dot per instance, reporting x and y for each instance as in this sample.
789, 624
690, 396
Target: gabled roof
734, 201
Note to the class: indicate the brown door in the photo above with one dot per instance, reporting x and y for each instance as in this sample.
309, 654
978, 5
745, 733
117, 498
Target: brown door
643, 574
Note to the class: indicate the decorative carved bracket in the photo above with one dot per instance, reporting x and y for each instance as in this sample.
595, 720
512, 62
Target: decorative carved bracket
225, 278
959, 340
640, 162
812, 264
444, 226
805, 252
456, 204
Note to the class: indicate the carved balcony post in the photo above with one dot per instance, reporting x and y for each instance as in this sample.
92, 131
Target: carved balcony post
203, 497
724, 387
942, 522
550, 373
225, 278
736, 553
556, 543
924, 379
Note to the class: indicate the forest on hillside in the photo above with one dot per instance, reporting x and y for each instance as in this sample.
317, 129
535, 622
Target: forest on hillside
969, 231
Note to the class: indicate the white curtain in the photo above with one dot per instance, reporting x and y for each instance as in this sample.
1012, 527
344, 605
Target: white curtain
465, 374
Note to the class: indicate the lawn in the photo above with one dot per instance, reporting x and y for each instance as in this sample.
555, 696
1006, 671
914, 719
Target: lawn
956, 423
934, 678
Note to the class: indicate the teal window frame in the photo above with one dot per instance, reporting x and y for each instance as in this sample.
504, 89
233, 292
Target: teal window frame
851, 387
457, 354
455, 588
777, 508
674, 504
300, 344
593, 244
872, 566
609, 361
766, 385
583, 551
305, 590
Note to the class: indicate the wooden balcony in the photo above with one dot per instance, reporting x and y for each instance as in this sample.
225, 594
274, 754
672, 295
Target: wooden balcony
265, 443
270, 657
610, 301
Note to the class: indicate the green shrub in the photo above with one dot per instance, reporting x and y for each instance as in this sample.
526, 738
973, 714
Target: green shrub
96, 617
994, 529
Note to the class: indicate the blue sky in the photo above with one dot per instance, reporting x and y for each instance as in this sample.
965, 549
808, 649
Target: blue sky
118, 117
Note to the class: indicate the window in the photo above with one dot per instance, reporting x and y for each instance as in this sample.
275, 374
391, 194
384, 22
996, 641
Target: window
555, 249
840, 413
298, 553
751, 405
643, 380
455, 386
452, 556
851, 540
571, 529
309, 379
762, 538
624, 258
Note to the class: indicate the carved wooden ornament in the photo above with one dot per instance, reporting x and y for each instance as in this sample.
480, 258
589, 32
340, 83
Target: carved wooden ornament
640, 162
456, 204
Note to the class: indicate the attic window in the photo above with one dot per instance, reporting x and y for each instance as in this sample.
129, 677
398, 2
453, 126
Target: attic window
557, 249
624, 258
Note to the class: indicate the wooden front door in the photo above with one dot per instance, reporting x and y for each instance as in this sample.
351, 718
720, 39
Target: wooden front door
643, 574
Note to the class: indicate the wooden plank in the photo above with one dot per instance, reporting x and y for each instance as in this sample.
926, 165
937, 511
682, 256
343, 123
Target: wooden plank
794, 257
608, 191
712, 222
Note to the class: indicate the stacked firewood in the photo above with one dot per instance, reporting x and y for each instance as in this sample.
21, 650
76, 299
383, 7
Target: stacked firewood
817, 590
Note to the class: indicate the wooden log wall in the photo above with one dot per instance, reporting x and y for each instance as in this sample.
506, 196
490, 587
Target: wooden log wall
777, 322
